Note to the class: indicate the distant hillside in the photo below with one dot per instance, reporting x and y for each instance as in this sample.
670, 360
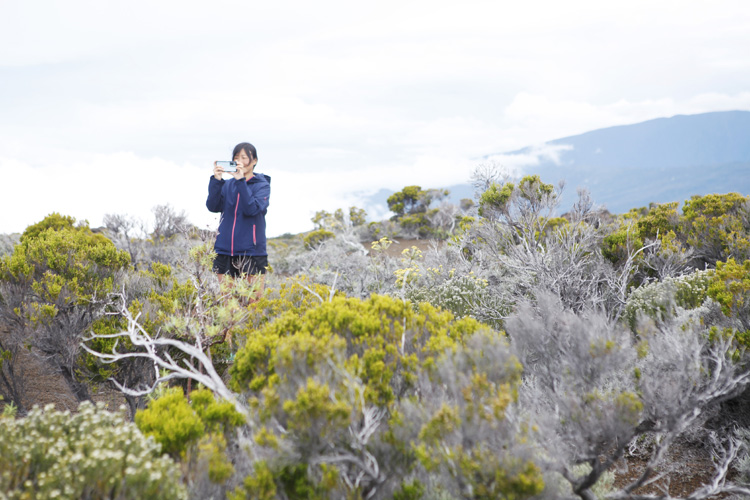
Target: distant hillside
661, 160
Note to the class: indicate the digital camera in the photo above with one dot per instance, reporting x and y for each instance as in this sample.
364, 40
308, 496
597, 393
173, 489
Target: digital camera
227, 165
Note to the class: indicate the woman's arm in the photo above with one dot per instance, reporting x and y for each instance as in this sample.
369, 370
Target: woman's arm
253, 203
215, 200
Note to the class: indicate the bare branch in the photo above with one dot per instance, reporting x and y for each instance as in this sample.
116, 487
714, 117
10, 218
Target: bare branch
154, 349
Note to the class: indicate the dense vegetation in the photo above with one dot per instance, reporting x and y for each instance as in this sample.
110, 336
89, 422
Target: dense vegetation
521, 355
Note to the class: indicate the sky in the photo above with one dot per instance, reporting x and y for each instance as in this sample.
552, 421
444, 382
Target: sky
116, 107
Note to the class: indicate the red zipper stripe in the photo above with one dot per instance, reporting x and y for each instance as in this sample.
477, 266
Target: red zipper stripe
234, 224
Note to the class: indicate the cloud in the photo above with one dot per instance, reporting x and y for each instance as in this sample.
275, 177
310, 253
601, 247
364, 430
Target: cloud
97, 184
534, 116
339, 97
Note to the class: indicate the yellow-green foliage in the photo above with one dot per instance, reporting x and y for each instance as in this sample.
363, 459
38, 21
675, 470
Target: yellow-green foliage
311, 376
485, 383
260, 485
406, 201
556, 223
495, 197
413, 490
416, 222
660, 219
292, 296
716, 222
292, 480
54, 221
635, 227
217, 416
313, 239
195, 432
624, 239
530, 190
171, 421
89, 454
212, 452
730, 286
178, 424
382, 340
60, 276
712, 225
337, 220
63, 266
165, 297
412, 208
533, 189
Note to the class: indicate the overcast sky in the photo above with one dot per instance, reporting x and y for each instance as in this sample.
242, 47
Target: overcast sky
114, 107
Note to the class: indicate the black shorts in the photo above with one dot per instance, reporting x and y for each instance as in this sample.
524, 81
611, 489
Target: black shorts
240, 264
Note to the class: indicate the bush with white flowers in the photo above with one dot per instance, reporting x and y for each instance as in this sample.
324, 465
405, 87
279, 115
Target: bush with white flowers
659, 300
90, 454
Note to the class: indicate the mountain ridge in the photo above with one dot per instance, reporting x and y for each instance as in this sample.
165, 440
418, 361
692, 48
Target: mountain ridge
627, 166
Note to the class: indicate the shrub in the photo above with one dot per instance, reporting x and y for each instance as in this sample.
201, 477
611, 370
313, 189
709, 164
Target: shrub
313, 239
171, 421
90, 454
194, 432
730, 287
53, 287
324, 383
384, 340
659, 300
461, 294
463, 437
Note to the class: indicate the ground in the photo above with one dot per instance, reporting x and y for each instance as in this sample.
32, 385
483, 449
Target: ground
44, 387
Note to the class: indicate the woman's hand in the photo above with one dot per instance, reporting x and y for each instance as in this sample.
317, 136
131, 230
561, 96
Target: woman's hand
218, 171
240, 172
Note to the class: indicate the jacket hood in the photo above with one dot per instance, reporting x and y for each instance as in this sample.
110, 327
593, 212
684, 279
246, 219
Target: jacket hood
260, 177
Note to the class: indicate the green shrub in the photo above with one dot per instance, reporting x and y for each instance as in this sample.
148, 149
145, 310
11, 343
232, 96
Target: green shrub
54, 221
312, 378
69, 262
715, 225
171, 422
53, 287
313, 239
176, 423
384, 340
194, 432
90, 454
730, 287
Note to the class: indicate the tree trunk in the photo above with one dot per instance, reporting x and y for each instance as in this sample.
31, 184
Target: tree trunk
79, 389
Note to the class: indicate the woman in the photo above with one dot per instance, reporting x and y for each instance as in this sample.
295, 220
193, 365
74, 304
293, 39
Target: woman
243, 203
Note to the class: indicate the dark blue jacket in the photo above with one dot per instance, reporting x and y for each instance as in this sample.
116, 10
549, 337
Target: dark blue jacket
243, 204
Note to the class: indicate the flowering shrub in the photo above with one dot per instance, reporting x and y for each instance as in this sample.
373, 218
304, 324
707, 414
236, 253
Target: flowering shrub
457, 293
659, 299
90, 454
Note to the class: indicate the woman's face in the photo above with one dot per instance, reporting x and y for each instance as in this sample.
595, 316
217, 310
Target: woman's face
243, 158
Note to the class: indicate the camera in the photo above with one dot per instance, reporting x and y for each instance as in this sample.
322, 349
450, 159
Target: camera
226, 165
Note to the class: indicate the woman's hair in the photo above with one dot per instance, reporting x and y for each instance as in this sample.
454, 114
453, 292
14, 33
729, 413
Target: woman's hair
249, 150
